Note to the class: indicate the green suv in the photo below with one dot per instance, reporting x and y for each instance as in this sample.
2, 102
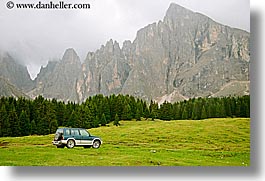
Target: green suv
71, 137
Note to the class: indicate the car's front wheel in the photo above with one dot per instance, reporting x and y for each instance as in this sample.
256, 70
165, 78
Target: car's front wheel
70, 144
96, 144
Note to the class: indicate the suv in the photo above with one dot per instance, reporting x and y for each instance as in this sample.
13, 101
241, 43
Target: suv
72, 137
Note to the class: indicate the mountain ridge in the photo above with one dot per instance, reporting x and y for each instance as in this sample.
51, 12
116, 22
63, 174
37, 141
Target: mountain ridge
185, 55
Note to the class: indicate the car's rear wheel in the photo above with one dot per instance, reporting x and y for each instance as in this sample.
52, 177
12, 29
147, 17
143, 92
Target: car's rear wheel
96, 144
70, 144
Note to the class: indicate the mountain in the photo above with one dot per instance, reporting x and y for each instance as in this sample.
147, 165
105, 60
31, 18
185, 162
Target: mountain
14, 73
185, 55
7, 89
58, 79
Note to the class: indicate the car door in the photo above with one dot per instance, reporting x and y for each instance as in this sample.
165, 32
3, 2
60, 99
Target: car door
86, 139
76, 135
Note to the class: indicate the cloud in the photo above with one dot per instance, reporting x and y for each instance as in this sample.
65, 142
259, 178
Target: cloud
36, 36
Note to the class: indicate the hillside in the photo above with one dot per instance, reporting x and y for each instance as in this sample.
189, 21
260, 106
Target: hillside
212, 142
7, 89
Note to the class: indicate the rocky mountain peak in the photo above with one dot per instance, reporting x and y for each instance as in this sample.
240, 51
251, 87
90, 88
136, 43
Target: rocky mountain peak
184, 56
71, 56
175, 11
14, 72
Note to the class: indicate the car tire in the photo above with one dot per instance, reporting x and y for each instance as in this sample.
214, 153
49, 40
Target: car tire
70, 144
96, 144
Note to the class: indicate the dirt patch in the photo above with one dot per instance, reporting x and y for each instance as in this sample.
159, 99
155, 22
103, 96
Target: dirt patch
5, 143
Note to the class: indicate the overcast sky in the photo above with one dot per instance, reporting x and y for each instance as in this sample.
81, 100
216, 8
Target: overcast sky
36, 36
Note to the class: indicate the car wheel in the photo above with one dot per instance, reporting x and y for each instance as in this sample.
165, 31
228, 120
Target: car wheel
70, 144
96, 144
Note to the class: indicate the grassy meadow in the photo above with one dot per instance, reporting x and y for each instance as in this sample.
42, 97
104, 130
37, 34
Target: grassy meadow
210, 142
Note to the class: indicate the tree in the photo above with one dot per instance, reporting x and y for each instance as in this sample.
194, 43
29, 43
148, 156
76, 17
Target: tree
126, 114
116, 120
166, 112
33, 128
196, 114
25, 124
103, 120
14, 122
96, 122
4, 122
204, 113
53, 126
138, 115
72, 120
185, 114
153, 108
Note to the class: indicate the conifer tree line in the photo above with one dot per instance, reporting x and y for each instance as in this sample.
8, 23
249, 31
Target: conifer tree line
22, 117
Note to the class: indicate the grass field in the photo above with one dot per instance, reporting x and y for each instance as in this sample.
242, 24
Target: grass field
211, 142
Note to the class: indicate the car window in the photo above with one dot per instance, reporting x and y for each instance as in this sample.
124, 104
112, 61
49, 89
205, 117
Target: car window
74, 132
84, 132
67, 131
59, 130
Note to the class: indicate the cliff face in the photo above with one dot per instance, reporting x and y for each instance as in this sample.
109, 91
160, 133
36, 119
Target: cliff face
14, 73
58, 79
186, 55
103, 72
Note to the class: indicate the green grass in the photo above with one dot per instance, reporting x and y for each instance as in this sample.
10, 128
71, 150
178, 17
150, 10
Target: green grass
211, 142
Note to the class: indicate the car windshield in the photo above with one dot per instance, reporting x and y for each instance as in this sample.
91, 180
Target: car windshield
84, 132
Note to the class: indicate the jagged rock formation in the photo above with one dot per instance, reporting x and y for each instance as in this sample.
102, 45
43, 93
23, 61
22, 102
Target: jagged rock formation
58, 79
186, 55
103, 72
14, 73
7, 89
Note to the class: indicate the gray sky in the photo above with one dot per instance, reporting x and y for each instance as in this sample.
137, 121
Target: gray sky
36, 36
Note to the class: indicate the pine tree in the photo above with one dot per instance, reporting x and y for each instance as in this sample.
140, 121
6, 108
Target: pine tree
25, 124
96, 122
116, 120
53, 126
88, 119
196, 114
60, 113
33, 128
153, 108
103, 120
204, 114
14, 122
138, 115
72, 120
4, 121
185, 114
106, 109
126, 114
